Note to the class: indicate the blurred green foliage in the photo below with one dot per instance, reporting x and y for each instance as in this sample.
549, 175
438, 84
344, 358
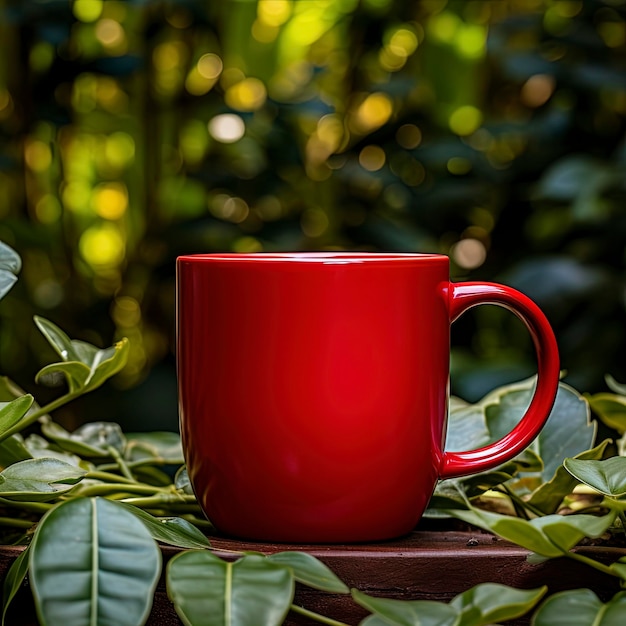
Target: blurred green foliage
131, 132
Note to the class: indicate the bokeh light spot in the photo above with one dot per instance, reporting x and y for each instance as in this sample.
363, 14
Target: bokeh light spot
537, 90
48, 209
469, 253
102, 246
110, 33
372, 113
87, 10
403, 42
41, 56
465, 120
568, 8
269, 208
196, 84
247, 244
37, 155
409, 136
210, 65
444, 27
314, 222
471, 41
613, 33
556, 20
372, 158
167, 56
5, 100
247, 95
459, 165
229, 208
390, 61
119, 149
110, 200
227, 128
48, 293
194, 141
126, 312
330, 133
76, 195
274, 12
264, 33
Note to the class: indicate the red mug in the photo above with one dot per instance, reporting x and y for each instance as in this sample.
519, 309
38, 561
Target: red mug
313, 389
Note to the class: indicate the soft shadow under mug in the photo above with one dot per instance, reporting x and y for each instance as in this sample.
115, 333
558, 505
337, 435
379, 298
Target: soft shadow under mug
313, 389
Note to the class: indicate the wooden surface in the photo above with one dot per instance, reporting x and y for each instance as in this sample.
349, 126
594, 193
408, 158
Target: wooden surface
426, 565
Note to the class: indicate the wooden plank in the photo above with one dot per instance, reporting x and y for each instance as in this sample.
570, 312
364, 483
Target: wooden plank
427, 565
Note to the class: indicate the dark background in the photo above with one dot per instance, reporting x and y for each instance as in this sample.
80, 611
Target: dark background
490, 131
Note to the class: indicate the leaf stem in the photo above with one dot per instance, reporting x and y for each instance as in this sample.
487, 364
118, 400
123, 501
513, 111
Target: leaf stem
121, 463
163, 500
613, 503
196, 521
622, 519
518, 504
108, 489
35, 507
16, 523
109, 477
605, 569
40, 412
154, 460
322, 619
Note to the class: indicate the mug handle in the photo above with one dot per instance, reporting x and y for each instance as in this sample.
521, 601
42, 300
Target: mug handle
464, 296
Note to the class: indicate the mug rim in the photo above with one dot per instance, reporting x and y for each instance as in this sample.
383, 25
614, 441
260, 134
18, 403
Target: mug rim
329, 257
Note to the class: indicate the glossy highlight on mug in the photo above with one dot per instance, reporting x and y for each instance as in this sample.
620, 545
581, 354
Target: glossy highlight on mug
311, 257
313, 389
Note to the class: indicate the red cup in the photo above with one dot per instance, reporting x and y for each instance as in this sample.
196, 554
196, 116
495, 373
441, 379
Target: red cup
313, 389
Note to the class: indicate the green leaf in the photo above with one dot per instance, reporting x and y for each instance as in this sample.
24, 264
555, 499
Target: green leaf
549, 496
38, 447
580, 607
310, 571
174, 531
152, 475
550, 536
607, 476
611, 409
406, 613
76, 374
566, 531
13, 450
482, 605
13, 580
448, 494
491, 603
101, 436
182, 482
159, 446
374, 620
12, 412
208, 591
9, 390
84, 366
10, 265
38, 479
93, 439
567, 432
477, 484
467, 428
93, 563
